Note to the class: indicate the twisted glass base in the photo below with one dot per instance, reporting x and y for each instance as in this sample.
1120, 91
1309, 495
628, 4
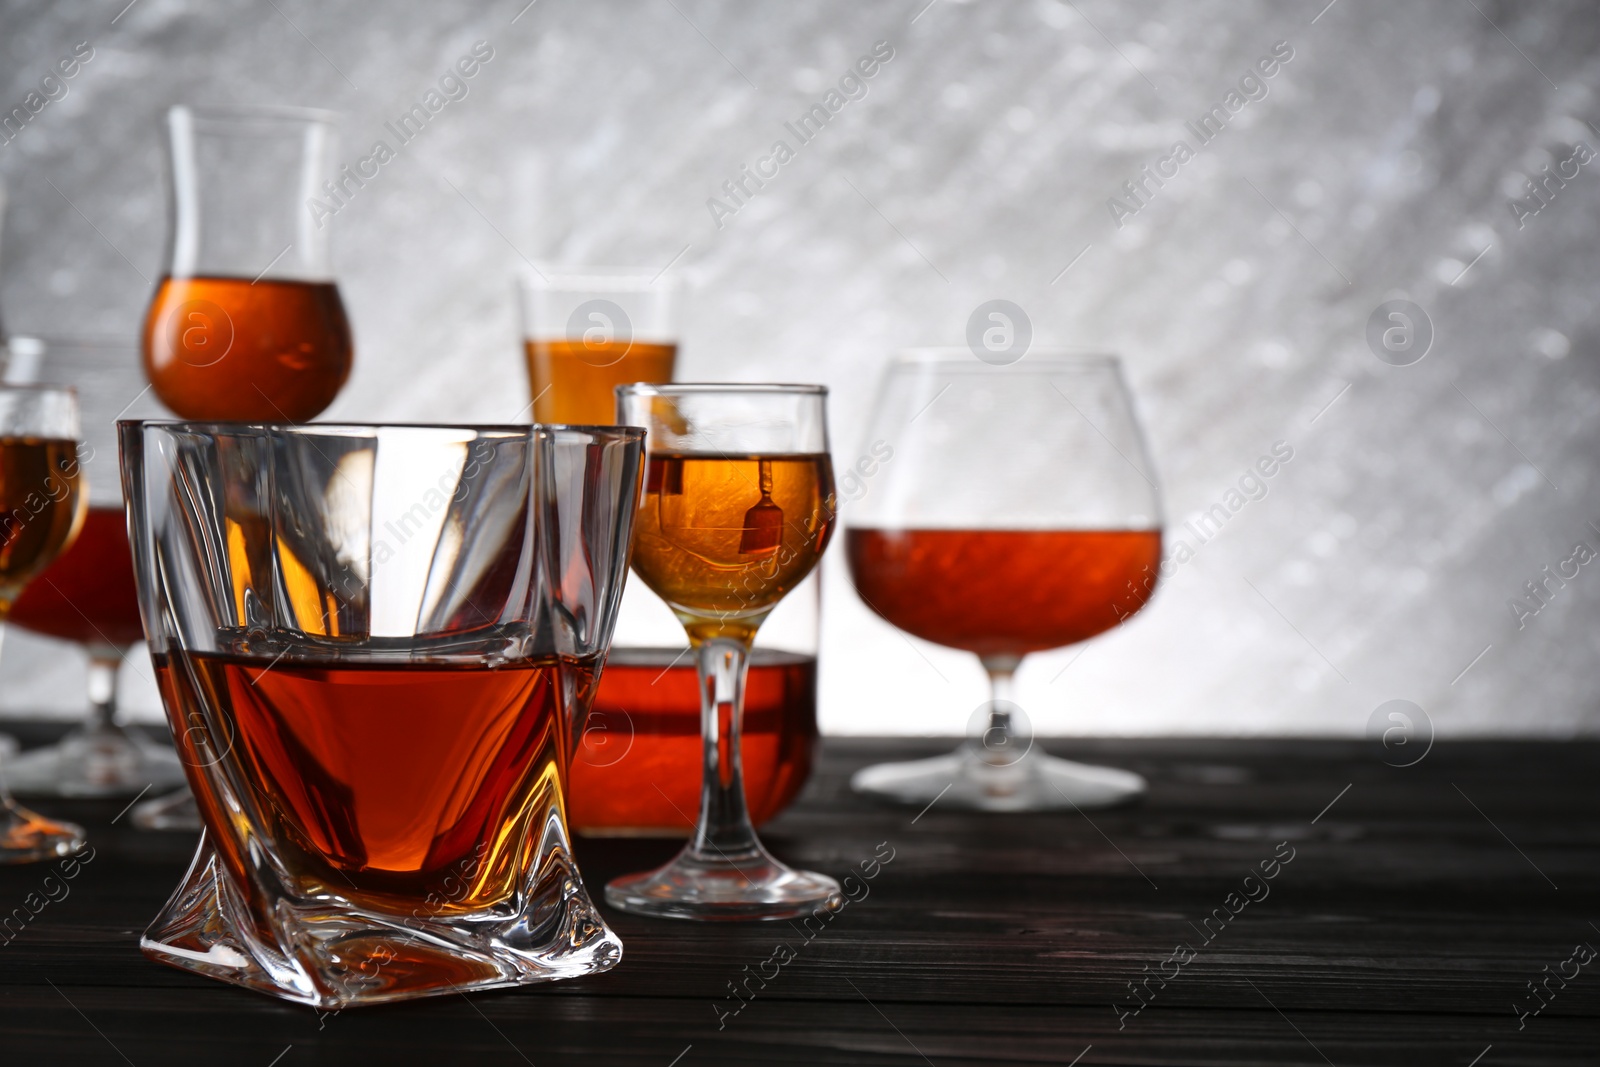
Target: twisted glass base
332, 955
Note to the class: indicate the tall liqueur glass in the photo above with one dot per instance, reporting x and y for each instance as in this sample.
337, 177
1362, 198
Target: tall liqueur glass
375, 645
41, 509
1020, 513
738, 508
248, 323
3, 335
587, 330
87, 595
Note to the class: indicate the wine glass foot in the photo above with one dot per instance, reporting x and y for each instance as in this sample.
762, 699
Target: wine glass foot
752, 886
95, 762
176, 811
963, 780
27, 837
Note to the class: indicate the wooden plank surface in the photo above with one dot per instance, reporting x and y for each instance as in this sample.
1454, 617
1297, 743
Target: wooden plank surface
1413, 913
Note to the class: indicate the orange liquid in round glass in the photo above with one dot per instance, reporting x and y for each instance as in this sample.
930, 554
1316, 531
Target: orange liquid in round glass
1004, 592
87, 595
233, 349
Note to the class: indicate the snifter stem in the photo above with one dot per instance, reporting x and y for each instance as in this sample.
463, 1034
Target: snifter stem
102, 692
724, 872
996, 744
724, 830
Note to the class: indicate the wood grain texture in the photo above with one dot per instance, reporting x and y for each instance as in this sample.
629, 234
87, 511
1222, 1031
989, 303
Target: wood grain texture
1401, 932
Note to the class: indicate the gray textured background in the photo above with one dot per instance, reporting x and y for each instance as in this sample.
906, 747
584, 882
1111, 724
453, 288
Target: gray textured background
1419, 500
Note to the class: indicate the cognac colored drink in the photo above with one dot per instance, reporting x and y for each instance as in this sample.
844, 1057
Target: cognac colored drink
723, 538
88, 594
387, 783
40, 507
1004, 592
233, 349
572, 380
638, 763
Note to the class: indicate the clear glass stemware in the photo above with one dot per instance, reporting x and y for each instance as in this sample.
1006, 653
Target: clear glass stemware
738, 507
1019, 513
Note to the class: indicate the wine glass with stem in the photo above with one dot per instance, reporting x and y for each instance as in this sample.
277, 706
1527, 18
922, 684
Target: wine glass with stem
738, 507
87, 594
1019, 513
41, 508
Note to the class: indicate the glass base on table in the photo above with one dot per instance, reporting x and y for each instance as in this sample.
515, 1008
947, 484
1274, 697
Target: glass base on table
751, 885
966, 781
175, 811
334, 955
95, 762
27, 837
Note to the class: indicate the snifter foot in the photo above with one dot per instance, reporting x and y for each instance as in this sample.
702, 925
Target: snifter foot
175, 811
966, 781
749, 886
95, 761
26, 837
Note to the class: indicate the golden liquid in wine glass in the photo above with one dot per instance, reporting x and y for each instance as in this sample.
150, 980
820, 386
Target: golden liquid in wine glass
41, 507
722, 539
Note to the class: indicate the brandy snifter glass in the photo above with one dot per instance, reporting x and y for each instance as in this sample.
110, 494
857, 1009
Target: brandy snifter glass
1020, 513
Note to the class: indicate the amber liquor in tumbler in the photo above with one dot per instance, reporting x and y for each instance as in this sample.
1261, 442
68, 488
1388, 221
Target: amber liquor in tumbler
386, 783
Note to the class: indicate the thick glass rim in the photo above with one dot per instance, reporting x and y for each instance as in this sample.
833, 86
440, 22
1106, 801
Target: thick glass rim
560, 278
951, 357
69, 340
352, 429
713, 388
38, 387
255, 113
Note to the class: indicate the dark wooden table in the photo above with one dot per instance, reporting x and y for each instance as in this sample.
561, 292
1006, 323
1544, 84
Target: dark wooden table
1417, 906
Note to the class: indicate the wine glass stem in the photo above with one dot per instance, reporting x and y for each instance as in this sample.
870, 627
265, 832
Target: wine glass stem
103, 692
724, 832
998, 736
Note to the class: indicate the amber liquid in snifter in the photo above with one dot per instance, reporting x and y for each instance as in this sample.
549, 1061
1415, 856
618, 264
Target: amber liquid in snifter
42, 504
270, 350
722, 539
574, 380
1004, 592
